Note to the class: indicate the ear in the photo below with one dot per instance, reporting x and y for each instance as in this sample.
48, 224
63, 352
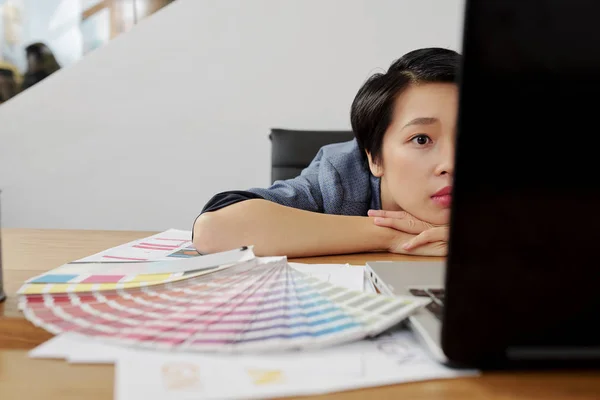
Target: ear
375, 166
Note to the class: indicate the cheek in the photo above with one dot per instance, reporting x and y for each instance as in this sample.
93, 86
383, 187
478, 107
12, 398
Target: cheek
408, 177
439, 217
406, 173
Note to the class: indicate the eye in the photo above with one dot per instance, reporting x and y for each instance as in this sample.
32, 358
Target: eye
421, 139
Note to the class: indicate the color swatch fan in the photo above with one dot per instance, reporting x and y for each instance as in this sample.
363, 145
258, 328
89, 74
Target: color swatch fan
252, 306
88, 276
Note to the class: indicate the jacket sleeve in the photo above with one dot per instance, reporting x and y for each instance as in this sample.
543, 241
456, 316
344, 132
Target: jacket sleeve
302, 192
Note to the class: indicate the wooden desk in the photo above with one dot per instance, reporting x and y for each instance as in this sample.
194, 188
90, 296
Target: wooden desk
28, 252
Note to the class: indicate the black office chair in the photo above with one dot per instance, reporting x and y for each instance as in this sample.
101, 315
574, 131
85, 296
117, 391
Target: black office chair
293, 150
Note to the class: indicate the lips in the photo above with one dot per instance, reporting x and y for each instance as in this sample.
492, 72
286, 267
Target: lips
443, 197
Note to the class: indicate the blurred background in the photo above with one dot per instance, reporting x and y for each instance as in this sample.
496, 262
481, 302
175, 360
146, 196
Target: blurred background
156, 107
38, 37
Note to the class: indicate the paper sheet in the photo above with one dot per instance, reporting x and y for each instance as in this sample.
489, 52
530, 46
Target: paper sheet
154, 267
351, 277
392, 358
75, 348
172, 243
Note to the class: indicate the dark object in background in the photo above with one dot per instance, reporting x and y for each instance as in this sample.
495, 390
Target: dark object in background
293, 150
41, 63
8, 85
522, 269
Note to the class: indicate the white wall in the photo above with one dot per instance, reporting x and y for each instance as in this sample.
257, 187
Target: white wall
141, 133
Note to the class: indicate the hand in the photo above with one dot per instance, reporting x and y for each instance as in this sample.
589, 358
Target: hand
432, 242
423, 238
400, 221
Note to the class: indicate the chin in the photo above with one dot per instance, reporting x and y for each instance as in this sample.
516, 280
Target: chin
444, 218
438, 217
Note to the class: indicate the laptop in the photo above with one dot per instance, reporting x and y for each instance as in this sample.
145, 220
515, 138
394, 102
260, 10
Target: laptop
520, 287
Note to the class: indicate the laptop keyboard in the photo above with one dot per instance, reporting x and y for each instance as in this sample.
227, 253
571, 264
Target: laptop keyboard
436, 307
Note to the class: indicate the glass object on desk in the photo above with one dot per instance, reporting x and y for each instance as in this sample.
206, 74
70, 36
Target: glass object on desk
2, 296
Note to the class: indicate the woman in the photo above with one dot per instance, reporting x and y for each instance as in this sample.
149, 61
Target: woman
389, 189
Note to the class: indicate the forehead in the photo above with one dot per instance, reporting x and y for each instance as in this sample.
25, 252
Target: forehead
429, 100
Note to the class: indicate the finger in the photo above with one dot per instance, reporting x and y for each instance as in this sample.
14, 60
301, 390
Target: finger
403, 225
428, 236
439, 249
402, 215
435, 249
419, 226
389, 214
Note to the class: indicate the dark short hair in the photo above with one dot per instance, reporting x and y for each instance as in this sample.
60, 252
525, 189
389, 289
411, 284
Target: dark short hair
372, 108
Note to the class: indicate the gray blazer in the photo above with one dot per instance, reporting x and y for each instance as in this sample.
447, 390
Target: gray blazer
337, 181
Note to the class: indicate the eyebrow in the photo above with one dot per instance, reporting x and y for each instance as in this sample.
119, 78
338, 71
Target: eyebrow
421, 121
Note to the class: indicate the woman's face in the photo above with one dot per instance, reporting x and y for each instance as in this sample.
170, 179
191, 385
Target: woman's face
417, 158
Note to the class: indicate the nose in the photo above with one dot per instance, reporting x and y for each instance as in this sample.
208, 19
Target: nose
446, 164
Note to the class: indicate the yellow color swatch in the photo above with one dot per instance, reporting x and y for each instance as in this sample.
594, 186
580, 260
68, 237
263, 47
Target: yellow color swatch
265, 376
32, 289
58, 287
151, 277
74, 287
106, 286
